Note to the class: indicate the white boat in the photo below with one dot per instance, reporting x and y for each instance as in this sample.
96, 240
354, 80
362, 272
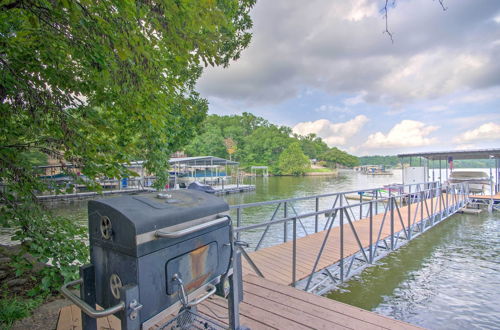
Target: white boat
477, 180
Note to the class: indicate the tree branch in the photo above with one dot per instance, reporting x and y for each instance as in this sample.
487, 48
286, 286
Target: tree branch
385, 11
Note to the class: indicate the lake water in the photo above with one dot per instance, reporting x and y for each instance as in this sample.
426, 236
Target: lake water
448, 278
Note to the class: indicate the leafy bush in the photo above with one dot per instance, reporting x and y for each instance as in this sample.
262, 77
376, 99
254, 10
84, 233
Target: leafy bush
15, 309
57, 241
292, 160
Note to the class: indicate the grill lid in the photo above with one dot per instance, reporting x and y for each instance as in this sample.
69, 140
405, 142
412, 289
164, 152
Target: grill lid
128, 223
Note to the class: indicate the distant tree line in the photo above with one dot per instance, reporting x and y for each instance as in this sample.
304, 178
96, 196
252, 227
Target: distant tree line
395, 161
379, 160
253, 140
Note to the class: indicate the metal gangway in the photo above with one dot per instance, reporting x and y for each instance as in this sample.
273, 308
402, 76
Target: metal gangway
315, 243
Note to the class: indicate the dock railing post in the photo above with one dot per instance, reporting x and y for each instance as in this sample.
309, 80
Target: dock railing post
408, 206
294, 252
391, 205
422, 196
341, 242
447, 193
360, 206
238, 222
371, 231
432, 207
285, 223
316, 216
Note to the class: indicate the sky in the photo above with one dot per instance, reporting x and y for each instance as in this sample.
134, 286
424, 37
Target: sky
327, 67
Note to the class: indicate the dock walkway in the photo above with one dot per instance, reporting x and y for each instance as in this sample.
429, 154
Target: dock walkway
276, 262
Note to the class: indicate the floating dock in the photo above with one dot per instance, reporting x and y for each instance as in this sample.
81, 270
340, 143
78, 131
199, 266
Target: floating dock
90, 194
233, 189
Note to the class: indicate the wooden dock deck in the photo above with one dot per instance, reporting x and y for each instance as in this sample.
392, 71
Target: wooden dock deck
494, 197
268, 305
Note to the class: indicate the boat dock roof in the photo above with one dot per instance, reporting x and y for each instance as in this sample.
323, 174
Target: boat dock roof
456, 154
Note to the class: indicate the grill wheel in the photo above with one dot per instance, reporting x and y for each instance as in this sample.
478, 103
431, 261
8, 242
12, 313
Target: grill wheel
106, 227
115, 283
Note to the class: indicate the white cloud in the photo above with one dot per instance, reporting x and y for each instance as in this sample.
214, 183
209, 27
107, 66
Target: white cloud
436, 108
332, 109
488, 131
467, 146
332, 133
482, 96
337, 47
360, 98
407, 133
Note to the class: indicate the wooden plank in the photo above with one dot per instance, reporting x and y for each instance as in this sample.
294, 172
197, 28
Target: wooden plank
268, 318
114, 322
208, 307
76, 318
291, 313
65, 321
314, 300
326, 315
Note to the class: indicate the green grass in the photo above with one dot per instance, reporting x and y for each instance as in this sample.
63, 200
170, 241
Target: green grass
12, 309
322, 170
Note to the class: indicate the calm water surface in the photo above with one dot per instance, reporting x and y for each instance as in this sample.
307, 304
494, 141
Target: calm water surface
448, 278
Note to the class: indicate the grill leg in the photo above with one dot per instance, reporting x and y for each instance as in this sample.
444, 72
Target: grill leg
129, 317
87, 293
236, 293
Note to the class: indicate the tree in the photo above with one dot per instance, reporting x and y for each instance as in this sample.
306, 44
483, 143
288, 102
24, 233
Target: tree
292, 160
335, 156
210, 143
96, 83
231, 147
312, 145
265, 144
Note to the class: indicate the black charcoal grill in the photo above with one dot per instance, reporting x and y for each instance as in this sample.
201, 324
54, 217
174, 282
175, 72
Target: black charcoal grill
153, 255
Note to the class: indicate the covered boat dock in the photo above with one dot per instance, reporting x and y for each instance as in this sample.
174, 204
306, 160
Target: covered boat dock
427, 159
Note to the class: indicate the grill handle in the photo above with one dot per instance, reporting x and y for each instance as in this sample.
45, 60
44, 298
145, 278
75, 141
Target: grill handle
202, 298
86, 308
183, 232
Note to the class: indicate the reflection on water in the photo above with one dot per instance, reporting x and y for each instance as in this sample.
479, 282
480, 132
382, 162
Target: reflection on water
448, 278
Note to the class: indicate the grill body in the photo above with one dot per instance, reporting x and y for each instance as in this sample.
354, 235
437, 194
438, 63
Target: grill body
127, 250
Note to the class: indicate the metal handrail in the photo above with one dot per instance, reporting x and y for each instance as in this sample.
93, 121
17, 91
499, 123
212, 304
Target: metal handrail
86, 308
323, 211
443, 202
190, 230
243, 206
